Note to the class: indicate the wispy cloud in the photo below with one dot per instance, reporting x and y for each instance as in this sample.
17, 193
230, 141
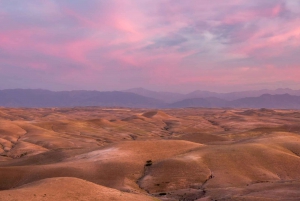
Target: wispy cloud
161, 45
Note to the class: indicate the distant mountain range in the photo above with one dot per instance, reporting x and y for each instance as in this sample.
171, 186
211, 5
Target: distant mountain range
45, 98
283, 101
142, 98
167, 97
173, 97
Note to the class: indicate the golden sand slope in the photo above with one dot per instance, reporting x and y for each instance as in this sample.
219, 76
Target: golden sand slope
183, 154
118, 166
66, 188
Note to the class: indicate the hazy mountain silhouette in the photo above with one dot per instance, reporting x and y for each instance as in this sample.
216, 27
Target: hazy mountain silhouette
45, 98
241, 94
167, 97
283, 101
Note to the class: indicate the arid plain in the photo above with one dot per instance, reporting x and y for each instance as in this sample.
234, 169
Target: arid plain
93, 153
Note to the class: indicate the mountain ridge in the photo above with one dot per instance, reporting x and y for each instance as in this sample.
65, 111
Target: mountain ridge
46, 98
279, 101
81, 98
171, 97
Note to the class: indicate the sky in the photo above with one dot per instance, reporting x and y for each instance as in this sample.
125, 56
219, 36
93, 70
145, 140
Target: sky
161, 45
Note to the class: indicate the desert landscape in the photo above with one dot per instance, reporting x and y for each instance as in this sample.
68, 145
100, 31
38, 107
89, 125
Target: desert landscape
108, 100
96, 153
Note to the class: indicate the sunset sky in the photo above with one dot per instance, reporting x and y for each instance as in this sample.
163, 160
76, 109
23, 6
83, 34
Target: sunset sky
162, 45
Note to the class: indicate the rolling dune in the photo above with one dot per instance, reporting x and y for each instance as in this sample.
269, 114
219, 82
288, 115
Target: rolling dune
183, 154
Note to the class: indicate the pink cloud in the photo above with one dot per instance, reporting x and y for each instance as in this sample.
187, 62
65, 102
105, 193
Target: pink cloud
166, 42
248, 15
